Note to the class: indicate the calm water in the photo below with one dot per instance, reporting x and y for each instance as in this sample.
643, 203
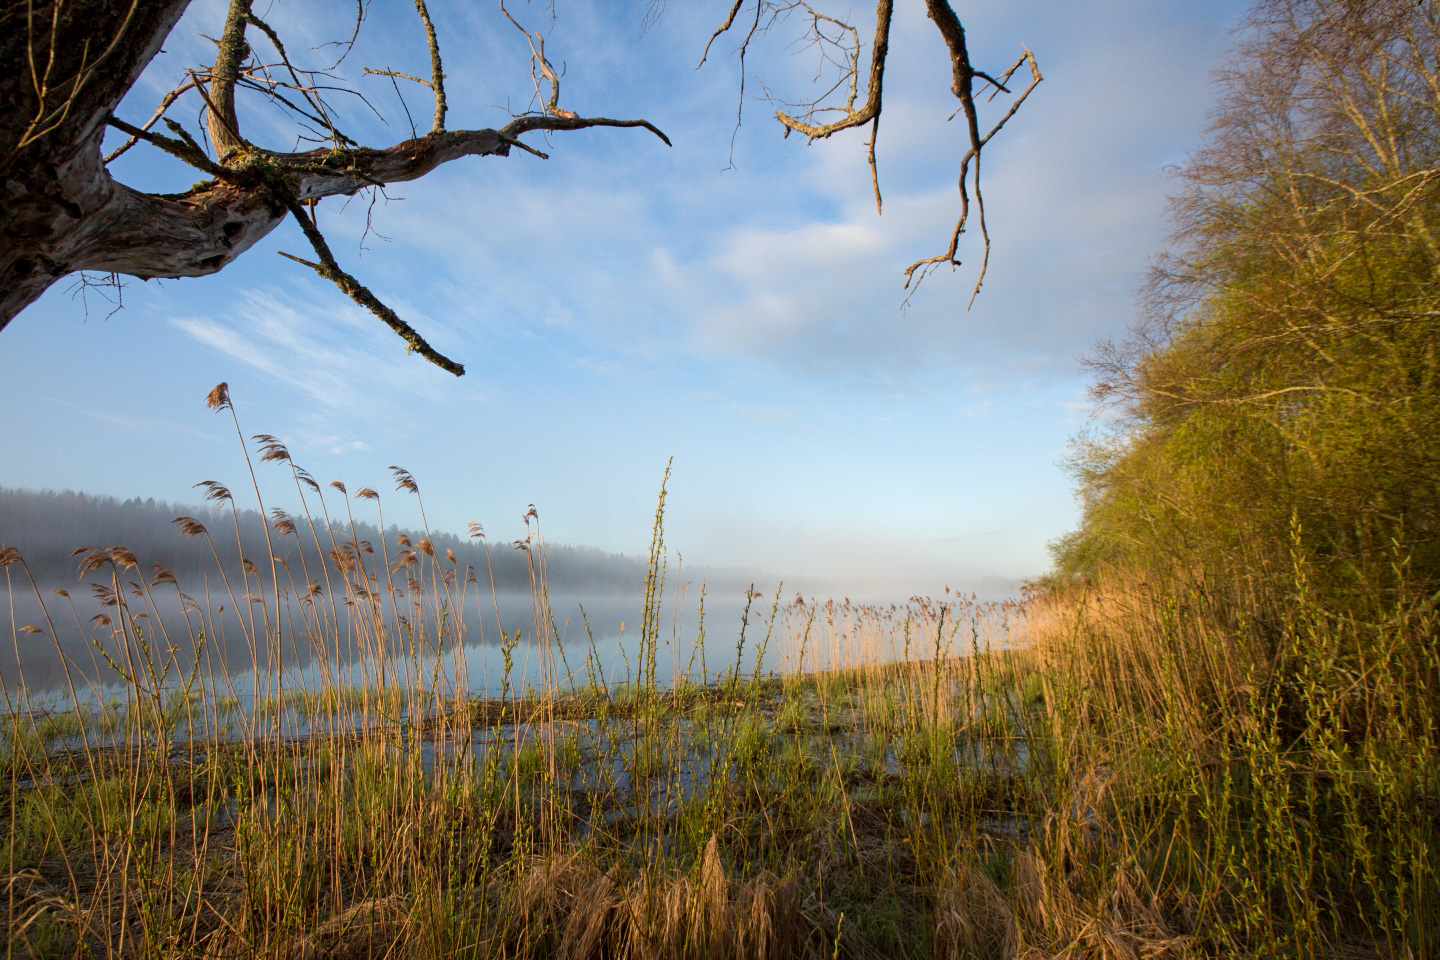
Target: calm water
592, 638
58, 643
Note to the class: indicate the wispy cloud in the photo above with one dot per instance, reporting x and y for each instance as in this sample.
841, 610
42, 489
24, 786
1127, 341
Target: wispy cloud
135, 424
351, 373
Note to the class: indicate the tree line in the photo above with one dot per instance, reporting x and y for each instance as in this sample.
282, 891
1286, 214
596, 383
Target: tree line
48, 527
1275, 406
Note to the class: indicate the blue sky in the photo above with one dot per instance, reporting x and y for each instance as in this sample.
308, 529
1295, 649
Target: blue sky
624, 302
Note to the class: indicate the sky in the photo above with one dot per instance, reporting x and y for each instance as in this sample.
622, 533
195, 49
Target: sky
733, 302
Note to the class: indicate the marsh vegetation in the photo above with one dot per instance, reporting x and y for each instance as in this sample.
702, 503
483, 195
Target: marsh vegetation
1101, 771
1212, 731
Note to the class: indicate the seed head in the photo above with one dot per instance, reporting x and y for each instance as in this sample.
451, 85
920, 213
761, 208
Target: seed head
282, 522
94, 560
214, 490
270, 448
219, 398
190, 527
403, 480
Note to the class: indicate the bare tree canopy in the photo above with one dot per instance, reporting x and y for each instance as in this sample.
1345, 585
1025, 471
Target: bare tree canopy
65, 66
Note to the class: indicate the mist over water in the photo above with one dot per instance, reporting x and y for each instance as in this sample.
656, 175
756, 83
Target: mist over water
596, 635
577, 641
353, 606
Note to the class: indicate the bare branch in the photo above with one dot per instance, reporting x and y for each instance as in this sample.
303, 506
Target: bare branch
330, 270
729, 22
101, 285
437, 72
963, 89
840, 47
268, 88
536, 122
397, 73
879, 50
165, 104
305, 91
349, 45
540, 67
744, 48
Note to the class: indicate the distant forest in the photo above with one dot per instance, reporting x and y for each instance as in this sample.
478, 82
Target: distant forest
46, 527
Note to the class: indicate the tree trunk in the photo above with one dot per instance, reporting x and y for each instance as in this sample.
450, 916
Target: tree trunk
64, 67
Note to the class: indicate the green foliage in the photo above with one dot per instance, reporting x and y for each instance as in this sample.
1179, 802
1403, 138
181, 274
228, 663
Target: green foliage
1279, 397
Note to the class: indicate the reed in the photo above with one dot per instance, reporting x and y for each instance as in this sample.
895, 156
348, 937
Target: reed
1114, 771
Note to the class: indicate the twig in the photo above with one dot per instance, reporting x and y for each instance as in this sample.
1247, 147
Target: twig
315, 102
165, 105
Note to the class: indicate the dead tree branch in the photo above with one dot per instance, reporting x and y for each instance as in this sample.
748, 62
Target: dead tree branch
964, 90
357, 291
540, 68
807, 117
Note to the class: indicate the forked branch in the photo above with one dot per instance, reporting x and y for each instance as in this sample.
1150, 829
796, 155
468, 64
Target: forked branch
970, 162
540, 68
879, 50
806, 118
